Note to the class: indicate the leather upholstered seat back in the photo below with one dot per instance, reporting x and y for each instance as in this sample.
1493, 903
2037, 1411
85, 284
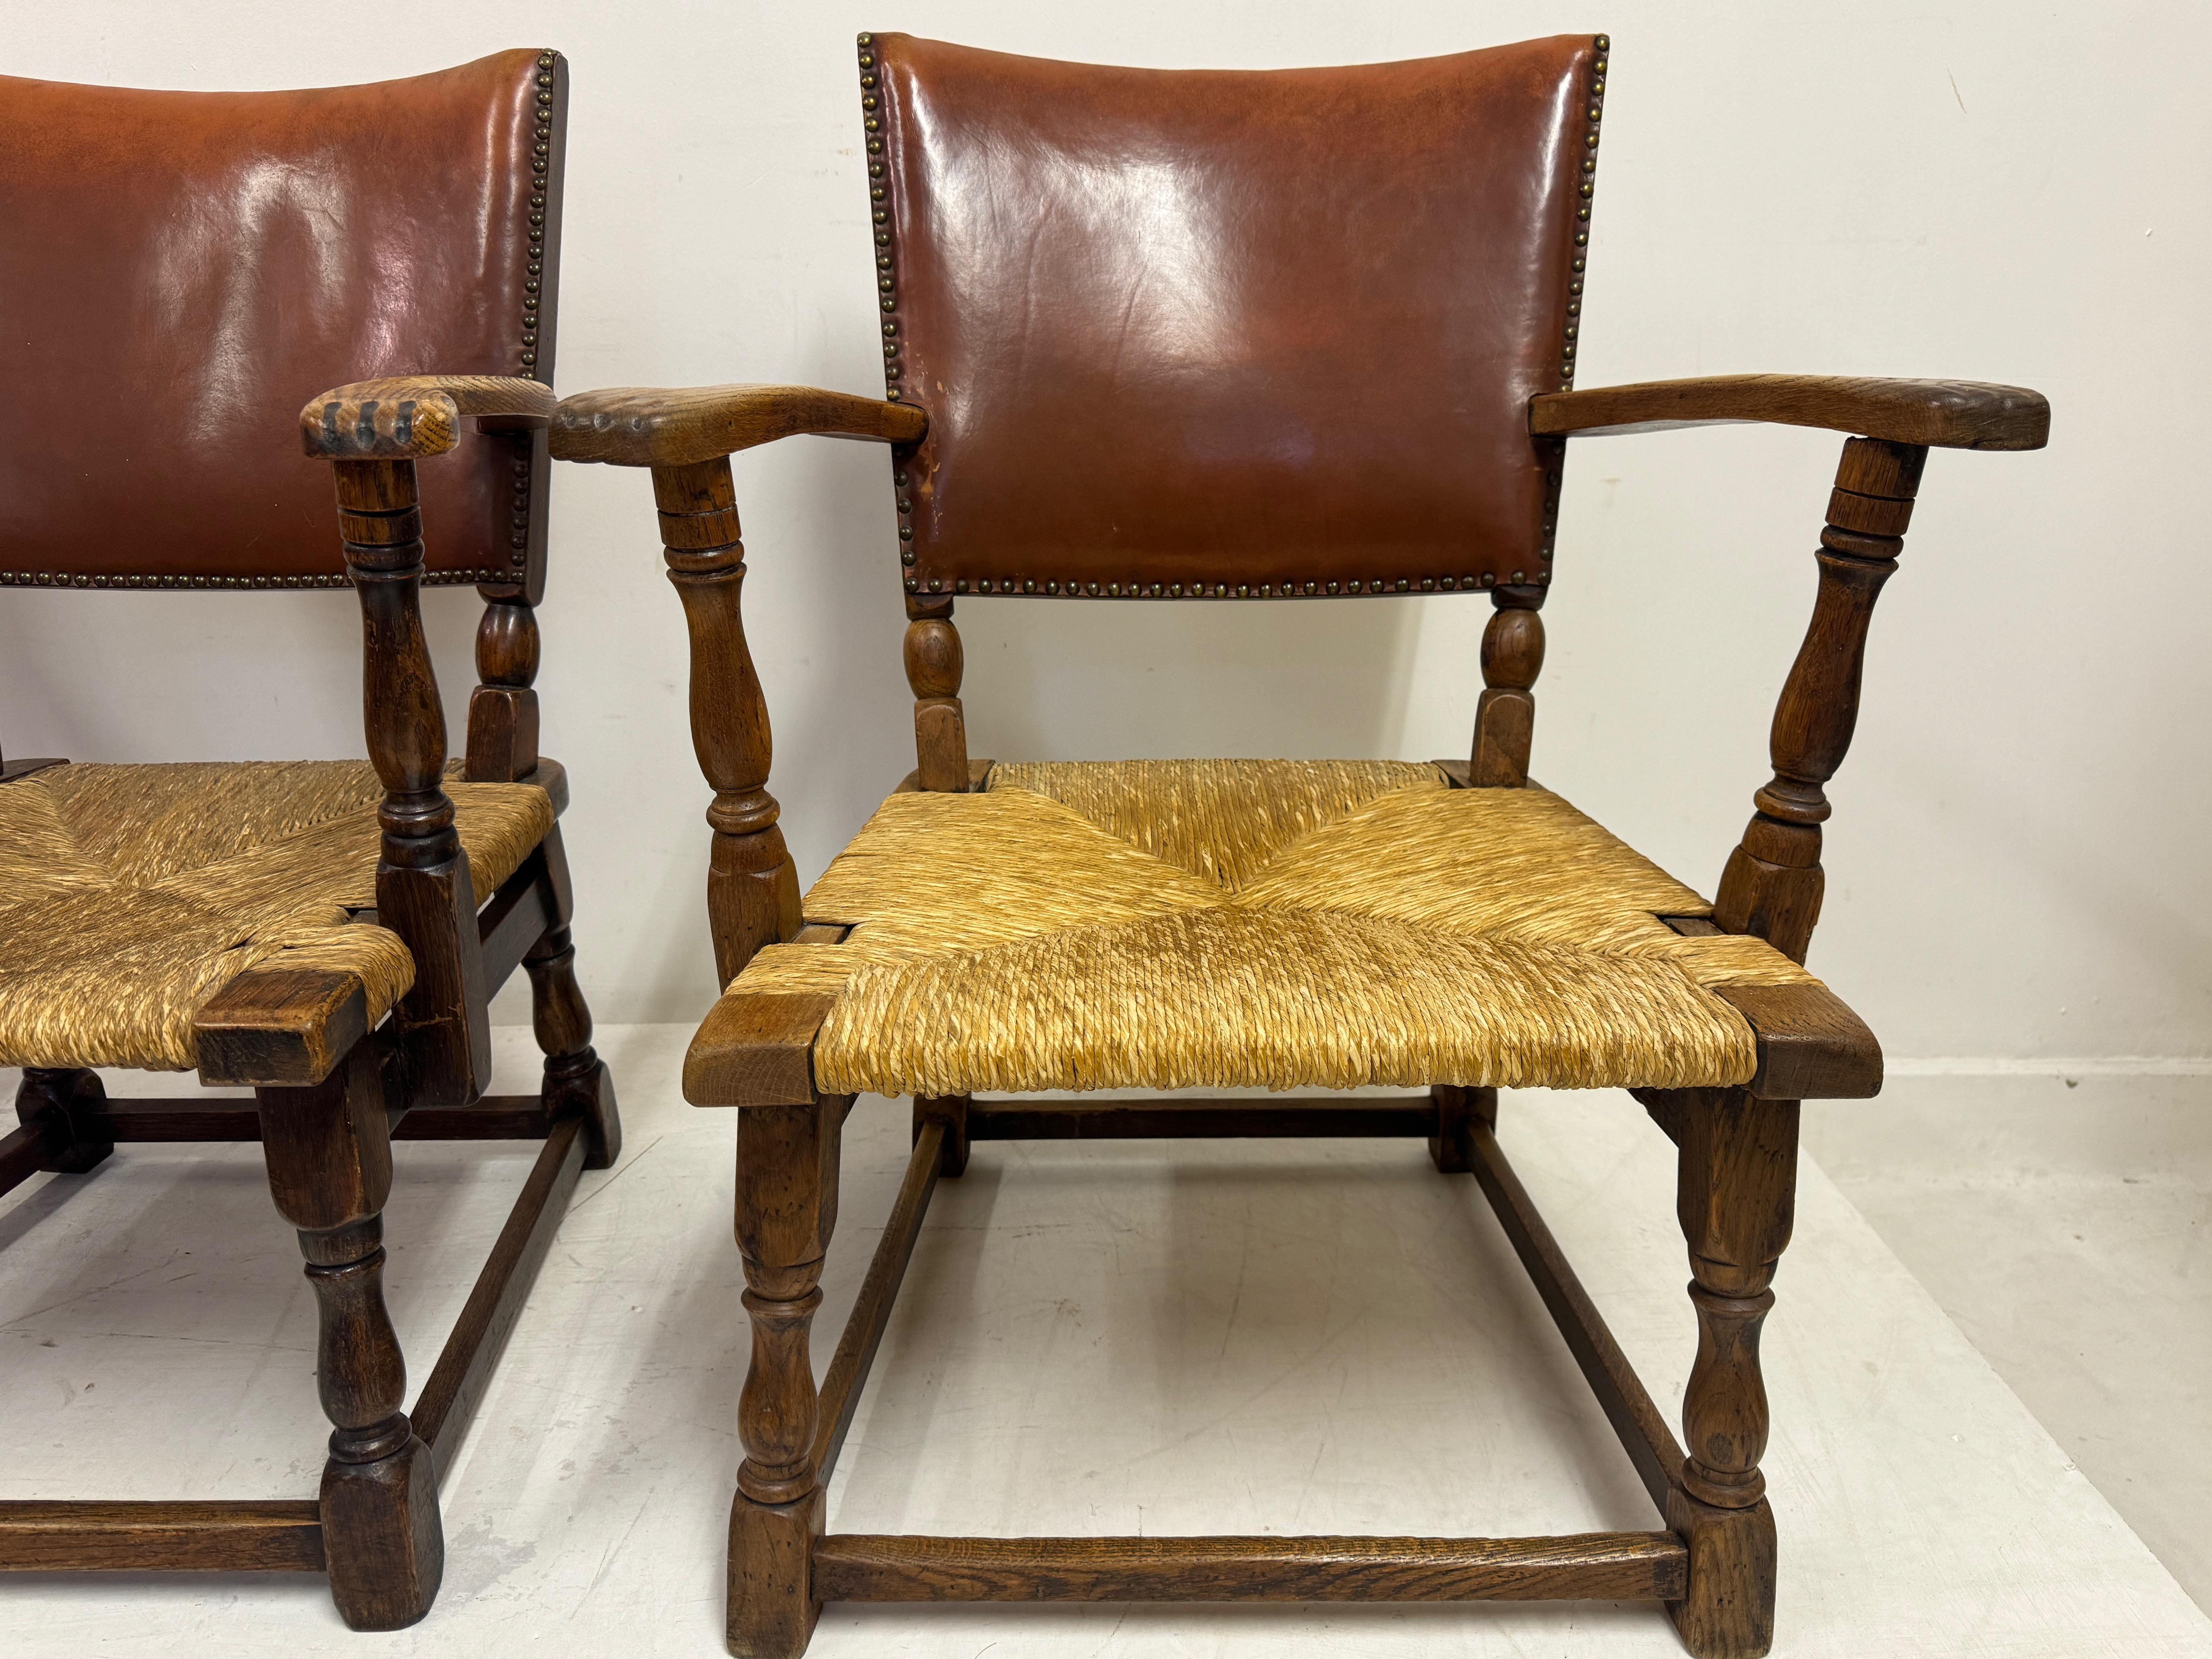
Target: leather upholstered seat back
1270, 332
180, 271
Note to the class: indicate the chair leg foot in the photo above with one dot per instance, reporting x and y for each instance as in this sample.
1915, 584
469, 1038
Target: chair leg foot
576, 1078
1729, 1611
49, 1099
772, 1607
381, 1534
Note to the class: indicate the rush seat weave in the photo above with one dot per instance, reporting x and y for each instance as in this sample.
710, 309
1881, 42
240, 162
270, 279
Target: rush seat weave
129, 895
1269, 924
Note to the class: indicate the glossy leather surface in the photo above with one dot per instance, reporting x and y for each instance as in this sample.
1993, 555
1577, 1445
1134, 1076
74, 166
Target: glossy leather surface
181, 271
1266, 328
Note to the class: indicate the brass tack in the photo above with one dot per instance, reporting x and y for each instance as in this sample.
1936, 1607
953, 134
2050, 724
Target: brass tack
936, 584
1332, 587
959, 585
912, 586
1029, 586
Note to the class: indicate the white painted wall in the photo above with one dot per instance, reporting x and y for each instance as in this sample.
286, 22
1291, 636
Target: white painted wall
1991, 191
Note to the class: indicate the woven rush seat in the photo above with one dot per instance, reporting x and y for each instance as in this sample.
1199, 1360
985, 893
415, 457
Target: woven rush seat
1274, 924
129, 895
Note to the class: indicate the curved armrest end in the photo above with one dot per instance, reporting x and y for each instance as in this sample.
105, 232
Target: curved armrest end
1938, 413
411, 416
644, 426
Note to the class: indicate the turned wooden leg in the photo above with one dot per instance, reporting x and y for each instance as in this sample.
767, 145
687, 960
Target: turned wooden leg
1451, 1148
787, 1209
951, 1110
1736, 1197
50, 1101
329, 1153
576, 1078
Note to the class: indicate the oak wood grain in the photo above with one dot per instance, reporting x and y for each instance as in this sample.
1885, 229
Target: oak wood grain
234, 1536
414, 416
280, 1026
1811, 1045
1940, 414
865, 1567
645, 426
756, 1048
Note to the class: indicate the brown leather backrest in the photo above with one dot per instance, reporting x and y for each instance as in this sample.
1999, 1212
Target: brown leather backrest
181, 271
1268, 332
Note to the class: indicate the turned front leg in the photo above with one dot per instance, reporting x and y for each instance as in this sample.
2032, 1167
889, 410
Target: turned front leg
1736, 1197
752, 887
329, 1153
786, 1208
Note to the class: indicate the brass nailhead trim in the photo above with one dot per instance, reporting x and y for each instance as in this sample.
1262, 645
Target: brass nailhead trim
1213, 590
887, 288
140, 580
1593, 111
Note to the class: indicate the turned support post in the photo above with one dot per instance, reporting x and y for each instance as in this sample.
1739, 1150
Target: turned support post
752, 887
787, 1209
1773, 883
424, 892
329, 1154
503, 709
933, 667
1506, 717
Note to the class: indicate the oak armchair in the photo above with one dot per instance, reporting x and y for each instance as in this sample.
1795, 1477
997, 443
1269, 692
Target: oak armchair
184, 267
1214, 337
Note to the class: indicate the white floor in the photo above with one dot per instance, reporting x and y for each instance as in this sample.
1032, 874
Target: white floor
2070, 1238
1141, 1337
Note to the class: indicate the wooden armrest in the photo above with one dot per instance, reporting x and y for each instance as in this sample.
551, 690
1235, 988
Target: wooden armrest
641, 426
410, 416
1939, 414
